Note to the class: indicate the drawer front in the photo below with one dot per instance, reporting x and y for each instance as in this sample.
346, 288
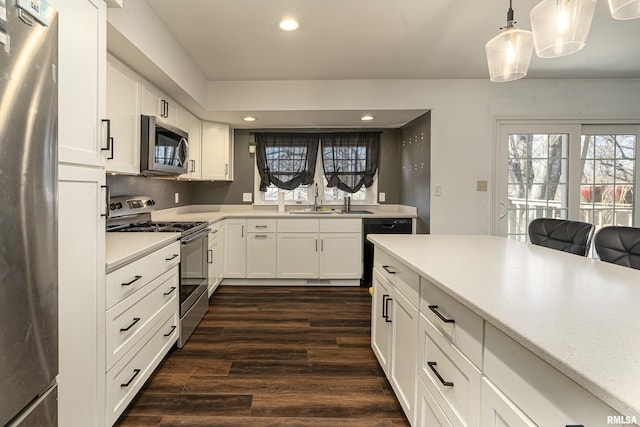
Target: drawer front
399, 275
127, 280
298, 225
498, 411
261, 225
128, 321
460, 325
543, 393
457, 389
215, 229
429, 413
128, 376
341, 225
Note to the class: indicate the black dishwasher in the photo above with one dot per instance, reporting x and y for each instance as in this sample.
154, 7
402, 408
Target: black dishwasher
379, 226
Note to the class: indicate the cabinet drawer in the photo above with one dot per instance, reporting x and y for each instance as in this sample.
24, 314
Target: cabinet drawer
543, 393
128, 376
429, 413
132, 318
126, 280
465, 332
498, 411
216, 228
341, 225
457, 391
399, 275
298, 225
261, 226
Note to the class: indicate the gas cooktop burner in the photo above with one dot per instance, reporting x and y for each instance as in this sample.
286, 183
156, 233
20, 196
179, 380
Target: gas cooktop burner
151, 227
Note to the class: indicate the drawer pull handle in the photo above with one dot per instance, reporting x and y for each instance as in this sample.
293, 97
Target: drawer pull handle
136, 278
433, 365
574, 425
386, 267
261, 226
173, 288
135, 374
261, 236
386, 306
135, 320
173, 328
434, 308
172, 257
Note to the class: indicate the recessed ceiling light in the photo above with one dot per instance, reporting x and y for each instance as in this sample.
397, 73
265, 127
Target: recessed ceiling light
249, 119
366, 118
289, 24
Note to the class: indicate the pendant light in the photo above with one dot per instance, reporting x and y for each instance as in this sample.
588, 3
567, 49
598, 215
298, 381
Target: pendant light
561, 27
509, 53
624, 9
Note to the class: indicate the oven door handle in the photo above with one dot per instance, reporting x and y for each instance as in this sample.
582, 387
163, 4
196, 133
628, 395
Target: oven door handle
195, 236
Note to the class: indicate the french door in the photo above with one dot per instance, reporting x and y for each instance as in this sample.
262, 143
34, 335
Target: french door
565, 170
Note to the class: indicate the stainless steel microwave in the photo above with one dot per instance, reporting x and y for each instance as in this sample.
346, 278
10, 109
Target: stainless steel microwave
164, 149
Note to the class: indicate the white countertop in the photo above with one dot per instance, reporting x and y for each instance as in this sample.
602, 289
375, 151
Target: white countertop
580, 315
213, 213
123, 248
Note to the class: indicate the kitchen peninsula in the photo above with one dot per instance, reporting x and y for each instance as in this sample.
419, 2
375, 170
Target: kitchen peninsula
543, 337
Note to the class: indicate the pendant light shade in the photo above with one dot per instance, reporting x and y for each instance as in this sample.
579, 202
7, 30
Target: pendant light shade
561, 27
509, 53
624, 9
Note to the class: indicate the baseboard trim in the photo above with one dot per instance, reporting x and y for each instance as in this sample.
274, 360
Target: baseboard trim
290, 282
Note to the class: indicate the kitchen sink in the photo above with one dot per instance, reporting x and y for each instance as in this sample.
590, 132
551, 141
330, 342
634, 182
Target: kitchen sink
311, 212
358, 212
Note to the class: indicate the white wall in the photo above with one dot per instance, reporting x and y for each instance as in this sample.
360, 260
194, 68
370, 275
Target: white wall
462, 121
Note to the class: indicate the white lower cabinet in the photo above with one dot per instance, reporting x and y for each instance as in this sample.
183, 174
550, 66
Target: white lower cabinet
340, 256
297, 255
261, 255
235, 248
141, 323
216, 242
380, 323
498, 411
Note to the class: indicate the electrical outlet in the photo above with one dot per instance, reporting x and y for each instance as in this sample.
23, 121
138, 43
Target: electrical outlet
246, 197
382, 197
176, 197
482, 185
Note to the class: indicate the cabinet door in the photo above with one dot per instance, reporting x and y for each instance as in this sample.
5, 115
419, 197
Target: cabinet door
81, 278
82, 52
123, 109
428, 413
235, 260
498, 411
193, 126
340, 255
155, 103
297, 256
261, 255
380, 323
214, 264
216, 151
404, 336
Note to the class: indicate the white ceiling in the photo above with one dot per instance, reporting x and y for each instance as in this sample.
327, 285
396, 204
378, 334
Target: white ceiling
378, 39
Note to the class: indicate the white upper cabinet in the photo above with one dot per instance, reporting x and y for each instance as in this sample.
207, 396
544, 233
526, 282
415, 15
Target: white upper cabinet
217, 152
123, 111
154, 103
81, 78
193, 126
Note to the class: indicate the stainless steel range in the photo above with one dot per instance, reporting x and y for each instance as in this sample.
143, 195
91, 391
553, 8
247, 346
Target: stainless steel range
133, 214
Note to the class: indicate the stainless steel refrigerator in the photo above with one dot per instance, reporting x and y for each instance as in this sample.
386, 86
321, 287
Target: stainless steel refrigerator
28, 213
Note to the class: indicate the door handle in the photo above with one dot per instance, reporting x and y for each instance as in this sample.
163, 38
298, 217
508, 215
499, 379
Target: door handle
107, 200
503, 209
210, 256
386, 303
108, 136
384, 306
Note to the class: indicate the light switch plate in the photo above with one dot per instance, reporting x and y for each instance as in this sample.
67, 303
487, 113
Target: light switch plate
382, 197
246, 197
482, 185
176, 197
437, 190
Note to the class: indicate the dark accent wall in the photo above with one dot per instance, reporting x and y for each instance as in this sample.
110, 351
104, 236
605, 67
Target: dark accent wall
162, 190
213, 193
415, 173
222, 192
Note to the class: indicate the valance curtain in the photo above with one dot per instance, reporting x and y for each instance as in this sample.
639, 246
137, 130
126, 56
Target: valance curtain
350, 159
286, 160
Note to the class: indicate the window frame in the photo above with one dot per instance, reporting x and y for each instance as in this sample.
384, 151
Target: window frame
575, 129
371, 193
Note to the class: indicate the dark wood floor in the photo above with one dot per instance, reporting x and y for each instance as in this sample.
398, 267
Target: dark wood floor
273, 356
